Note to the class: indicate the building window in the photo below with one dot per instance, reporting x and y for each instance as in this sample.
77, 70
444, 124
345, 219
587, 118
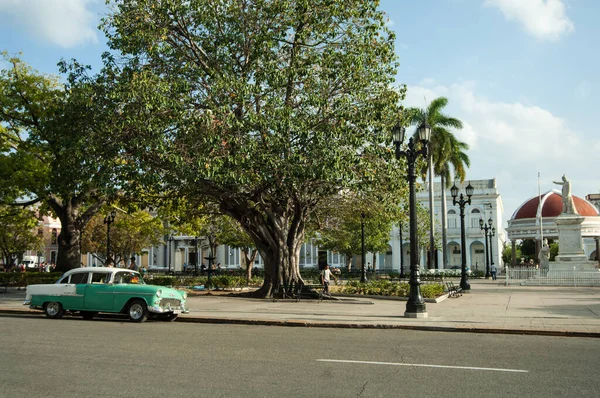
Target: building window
54, 236
452, 221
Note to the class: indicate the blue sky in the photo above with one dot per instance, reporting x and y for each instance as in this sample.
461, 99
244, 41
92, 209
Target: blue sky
521, 74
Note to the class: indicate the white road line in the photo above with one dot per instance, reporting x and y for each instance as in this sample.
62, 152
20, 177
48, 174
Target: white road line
424, 365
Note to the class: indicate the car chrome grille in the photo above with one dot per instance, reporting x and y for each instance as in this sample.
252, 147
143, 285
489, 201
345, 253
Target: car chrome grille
170, 303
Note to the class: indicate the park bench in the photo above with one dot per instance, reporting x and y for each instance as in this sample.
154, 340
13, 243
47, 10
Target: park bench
453, 291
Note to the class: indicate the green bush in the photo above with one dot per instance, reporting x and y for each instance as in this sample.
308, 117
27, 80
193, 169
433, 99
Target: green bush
23, 279
383, 287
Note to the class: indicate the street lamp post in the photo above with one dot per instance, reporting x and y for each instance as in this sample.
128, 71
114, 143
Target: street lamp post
492, 234
488, 232
170, 253
363, 275
415, 306
109, 219
197, 256
209, 271
461, 202
402, 275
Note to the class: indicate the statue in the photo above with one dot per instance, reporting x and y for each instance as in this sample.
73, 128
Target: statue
567, 198
544, 255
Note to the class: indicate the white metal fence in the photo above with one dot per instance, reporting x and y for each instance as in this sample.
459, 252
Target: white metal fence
532, 276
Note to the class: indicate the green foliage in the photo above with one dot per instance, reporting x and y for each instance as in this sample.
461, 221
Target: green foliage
18, 233
387, 288
553, 250
129, 234
217, 282
23, 279
265, 107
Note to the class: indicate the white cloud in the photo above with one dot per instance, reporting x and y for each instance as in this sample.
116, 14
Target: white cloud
512, 142
544, 19
66, 23
428, 81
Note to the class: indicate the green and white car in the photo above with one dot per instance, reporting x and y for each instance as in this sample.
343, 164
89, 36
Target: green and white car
88, 291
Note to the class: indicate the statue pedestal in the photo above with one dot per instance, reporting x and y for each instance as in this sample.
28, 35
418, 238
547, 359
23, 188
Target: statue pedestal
570, 242
571, 256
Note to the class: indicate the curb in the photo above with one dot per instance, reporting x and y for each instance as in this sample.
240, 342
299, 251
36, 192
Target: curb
334, 325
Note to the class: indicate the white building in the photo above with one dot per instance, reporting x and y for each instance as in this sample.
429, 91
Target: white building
486, 203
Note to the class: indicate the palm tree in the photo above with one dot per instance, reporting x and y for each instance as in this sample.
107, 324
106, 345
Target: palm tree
439, 123
450, 155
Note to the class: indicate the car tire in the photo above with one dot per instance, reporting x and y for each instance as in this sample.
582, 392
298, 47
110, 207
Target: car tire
54, 310
138, 311
168, 317
87, 315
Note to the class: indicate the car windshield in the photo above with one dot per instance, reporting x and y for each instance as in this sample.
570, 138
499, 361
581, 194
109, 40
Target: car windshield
129, 278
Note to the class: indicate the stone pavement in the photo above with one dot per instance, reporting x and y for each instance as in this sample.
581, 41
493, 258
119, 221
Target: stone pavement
490, 307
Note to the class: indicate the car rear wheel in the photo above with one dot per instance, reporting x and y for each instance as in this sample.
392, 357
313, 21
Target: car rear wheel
138, 311
54, 310
88, 314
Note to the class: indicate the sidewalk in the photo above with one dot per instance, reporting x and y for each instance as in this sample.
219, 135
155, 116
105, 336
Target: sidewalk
490, 307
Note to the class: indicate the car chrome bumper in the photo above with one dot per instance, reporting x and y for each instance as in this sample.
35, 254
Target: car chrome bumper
26, 302
168, 310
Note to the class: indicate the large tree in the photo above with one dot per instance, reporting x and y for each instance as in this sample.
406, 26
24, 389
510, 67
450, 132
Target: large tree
53, 147
264, 107
440, 123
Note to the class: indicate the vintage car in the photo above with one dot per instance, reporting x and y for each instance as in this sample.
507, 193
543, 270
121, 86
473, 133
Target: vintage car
88, 291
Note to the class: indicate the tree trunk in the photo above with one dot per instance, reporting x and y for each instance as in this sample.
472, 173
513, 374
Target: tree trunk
249, 260
374, 256
71, 225
278, 234
68, 256
444, 225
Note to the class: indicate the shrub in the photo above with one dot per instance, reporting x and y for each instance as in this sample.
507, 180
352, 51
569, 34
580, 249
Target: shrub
384, 287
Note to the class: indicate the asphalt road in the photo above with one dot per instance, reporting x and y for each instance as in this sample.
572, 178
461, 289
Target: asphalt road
112, 358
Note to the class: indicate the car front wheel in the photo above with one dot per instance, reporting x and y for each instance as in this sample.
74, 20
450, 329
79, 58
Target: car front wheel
138, 311
54, 310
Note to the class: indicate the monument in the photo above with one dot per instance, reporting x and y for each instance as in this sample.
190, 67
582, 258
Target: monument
571, 255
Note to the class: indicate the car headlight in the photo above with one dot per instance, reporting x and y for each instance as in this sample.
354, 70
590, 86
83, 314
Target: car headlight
158, 293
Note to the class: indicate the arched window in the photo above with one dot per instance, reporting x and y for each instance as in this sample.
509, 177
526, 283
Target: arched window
474, 219
452, 220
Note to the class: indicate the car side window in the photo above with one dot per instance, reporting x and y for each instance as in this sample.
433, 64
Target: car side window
100, 277
79, 278
64, 279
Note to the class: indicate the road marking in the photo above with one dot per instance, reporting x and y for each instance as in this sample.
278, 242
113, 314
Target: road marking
424, 365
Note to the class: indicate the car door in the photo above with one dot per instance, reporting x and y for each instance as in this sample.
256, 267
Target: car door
74, 290
99, 294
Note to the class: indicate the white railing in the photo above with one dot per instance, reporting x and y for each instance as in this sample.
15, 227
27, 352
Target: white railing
532, 276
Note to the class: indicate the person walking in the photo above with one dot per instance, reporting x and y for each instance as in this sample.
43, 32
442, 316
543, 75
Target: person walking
494, 271
326, 278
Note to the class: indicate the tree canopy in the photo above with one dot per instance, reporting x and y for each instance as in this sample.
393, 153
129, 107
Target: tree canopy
264, 107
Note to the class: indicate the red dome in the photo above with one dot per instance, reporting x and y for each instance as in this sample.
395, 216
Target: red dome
552, 206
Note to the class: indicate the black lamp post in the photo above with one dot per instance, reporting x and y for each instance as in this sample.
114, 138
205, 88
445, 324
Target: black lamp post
415, 306
492, 234
461, 202
402, 275
170, 239
109, 219
488, 230
209, 271
197, 258
363, 275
